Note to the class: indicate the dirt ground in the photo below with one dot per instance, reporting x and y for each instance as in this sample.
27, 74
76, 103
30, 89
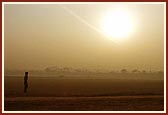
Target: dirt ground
104, 103
85, 93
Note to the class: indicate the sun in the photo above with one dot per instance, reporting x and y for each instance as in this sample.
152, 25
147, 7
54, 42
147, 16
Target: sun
117, 24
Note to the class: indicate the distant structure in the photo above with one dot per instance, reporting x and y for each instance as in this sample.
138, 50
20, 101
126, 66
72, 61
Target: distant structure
25, 82
123, 71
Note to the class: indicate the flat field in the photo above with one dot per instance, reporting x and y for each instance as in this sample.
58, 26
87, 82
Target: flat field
99, 103
116, 93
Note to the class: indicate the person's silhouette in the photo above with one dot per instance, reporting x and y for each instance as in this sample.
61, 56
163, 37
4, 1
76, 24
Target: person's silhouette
25, 82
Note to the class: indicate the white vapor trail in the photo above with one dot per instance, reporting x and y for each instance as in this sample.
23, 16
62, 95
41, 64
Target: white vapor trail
84, 21
80, 19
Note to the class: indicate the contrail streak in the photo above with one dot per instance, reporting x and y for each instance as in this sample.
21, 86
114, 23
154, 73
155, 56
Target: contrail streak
82, 20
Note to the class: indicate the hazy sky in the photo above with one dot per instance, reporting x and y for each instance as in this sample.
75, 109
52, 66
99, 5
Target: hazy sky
38, 36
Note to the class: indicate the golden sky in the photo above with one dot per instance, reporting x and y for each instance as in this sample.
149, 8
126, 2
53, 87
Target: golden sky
38, 36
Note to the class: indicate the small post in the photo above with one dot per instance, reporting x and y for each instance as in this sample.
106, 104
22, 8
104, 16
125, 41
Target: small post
25, 82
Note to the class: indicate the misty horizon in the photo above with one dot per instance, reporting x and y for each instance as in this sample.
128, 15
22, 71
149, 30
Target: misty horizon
37, 36
89, 56
84, 69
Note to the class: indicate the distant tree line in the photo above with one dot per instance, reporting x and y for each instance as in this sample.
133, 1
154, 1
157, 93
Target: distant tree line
55, 69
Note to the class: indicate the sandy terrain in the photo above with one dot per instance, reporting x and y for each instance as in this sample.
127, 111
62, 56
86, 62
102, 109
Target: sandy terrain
121, 93
104, 103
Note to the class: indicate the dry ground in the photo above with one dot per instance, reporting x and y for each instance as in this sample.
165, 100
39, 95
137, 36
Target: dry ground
104, 103
104, 92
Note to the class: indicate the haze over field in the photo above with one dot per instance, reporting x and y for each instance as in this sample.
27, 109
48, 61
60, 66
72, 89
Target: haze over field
84, 57
38, 36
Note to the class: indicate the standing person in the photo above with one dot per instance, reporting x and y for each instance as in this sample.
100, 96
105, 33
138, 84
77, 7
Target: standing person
25, 82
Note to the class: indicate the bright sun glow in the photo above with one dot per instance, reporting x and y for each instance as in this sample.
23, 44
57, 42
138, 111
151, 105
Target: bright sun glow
117, 24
